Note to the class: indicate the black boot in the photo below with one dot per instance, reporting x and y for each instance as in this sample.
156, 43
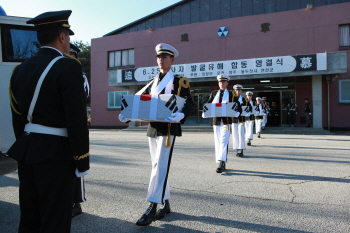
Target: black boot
240, 154
221, 168
237, 153
76, 210
258, 135
249, 143
163, 211
148, 216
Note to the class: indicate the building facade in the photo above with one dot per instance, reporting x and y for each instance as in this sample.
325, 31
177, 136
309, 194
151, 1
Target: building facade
279, 49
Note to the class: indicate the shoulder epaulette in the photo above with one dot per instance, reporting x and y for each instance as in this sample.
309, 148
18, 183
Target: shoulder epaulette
66, 55
183, 82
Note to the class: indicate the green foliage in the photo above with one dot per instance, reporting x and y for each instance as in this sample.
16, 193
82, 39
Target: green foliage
85, 57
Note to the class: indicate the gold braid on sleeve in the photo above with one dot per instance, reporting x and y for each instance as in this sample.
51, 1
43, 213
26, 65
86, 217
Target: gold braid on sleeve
12, 97
81, 157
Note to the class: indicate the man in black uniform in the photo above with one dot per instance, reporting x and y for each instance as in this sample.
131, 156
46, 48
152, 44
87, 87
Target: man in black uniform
79, 195
274, 114
308, 112
292, 109
221, 125
49, 121
159, 133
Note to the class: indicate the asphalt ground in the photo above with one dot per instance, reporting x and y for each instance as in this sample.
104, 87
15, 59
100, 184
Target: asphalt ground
284, 183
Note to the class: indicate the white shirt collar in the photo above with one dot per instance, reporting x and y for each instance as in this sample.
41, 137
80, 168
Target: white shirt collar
49, 47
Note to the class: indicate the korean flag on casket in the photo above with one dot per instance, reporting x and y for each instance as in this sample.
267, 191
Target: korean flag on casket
220, 109
255, 110
148, 108
245, 111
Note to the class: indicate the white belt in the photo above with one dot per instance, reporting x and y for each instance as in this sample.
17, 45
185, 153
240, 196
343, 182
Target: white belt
35, 128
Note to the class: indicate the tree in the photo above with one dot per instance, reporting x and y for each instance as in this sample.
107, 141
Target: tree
85, 57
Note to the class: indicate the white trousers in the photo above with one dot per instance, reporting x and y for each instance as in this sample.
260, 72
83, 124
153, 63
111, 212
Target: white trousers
222, 139
258, 125
264, 121
158, 189
238, 136
249, 126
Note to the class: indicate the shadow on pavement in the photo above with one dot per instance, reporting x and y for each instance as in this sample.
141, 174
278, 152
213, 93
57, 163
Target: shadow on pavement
6, 181
231, 172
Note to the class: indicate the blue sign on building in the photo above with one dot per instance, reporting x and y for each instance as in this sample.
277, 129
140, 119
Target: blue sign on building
222, 32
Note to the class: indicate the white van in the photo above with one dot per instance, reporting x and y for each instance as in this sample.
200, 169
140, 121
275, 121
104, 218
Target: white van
18, 41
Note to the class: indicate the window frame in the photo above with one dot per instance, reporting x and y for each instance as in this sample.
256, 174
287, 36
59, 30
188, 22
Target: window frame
4, 42
115, 107
121, 59
340, 99
343, 47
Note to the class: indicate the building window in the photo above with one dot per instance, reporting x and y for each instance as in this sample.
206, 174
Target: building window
344, 36
344, 94
115, 98
121, 58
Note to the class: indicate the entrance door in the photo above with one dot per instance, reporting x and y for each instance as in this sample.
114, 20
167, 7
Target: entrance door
199, 99
274, 101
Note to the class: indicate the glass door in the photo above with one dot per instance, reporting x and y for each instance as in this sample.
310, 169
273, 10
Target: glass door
199, 99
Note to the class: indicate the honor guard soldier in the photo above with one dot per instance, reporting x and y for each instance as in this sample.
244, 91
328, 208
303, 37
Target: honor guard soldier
161, 133
79, 195
238, 122
259, 116
249, 121
49, 120
292, 109
266, 111
308, 112
221, 125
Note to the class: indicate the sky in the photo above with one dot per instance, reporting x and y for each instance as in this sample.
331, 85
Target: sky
89, 19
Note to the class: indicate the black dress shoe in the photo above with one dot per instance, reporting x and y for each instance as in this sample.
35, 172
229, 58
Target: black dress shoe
163, 211
248, 143
76, 210
221, 168
240, 154
259, 135
149, 216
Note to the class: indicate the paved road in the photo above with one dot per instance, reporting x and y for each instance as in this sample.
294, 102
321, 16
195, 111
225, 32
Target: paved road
285, 183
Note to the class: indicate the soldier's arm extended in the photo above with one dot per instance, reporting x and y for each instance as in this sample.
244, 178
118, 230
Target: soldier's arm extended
74, 105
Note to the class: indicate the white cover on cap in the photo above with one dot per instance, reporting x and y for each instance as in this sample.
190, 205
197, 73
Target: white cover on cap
237, 86
223, 76
161, 47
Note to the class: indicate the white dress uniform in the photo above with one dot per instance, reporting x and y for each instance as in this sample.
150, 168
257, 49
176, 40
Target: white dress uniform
238, 138
259, 118
266, 111
249, 121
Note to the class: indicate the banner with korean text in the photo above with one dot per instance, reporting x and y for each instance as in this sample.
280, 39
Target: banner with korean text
267, 65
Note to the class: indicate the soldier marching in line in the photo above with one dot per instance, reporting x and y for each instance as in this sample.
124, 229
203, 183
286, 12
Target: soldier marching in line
249, 121
49, 120
292, 109
161, 135
238, 122
266, 111
221, 125
259, 116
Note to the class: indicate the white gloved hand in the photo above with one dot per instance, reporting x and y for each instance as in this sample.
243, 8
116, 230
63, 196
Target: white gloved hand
237, 114
288, 113
203, 115
296, 113
176, 117
248, 114
310, 113
122, 118
81, 174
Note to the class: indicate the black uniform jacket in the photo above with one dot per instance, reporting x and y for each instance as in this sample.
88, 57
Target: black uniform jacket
161, 128
251, 117
240, 118
61, 104
217, 120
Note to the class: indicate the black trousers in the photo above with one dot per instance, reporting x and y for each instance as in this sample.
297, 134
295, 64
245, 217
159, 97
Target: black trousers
46, 196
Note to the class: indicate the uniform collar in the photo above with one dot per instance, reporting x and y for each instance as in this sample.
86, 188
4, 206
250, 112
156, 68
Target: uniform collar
49, 47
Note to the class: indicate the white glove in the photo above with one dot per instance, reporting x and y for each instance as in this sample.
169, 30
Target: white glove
248, 115
176, 117
237, 114
80, 174
296, 113
310, 113
122, 118
288, 113
203, 115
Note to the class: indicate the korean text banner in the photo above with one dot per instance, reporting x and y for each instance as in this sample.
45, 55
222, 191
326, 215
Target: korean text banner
267, 65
